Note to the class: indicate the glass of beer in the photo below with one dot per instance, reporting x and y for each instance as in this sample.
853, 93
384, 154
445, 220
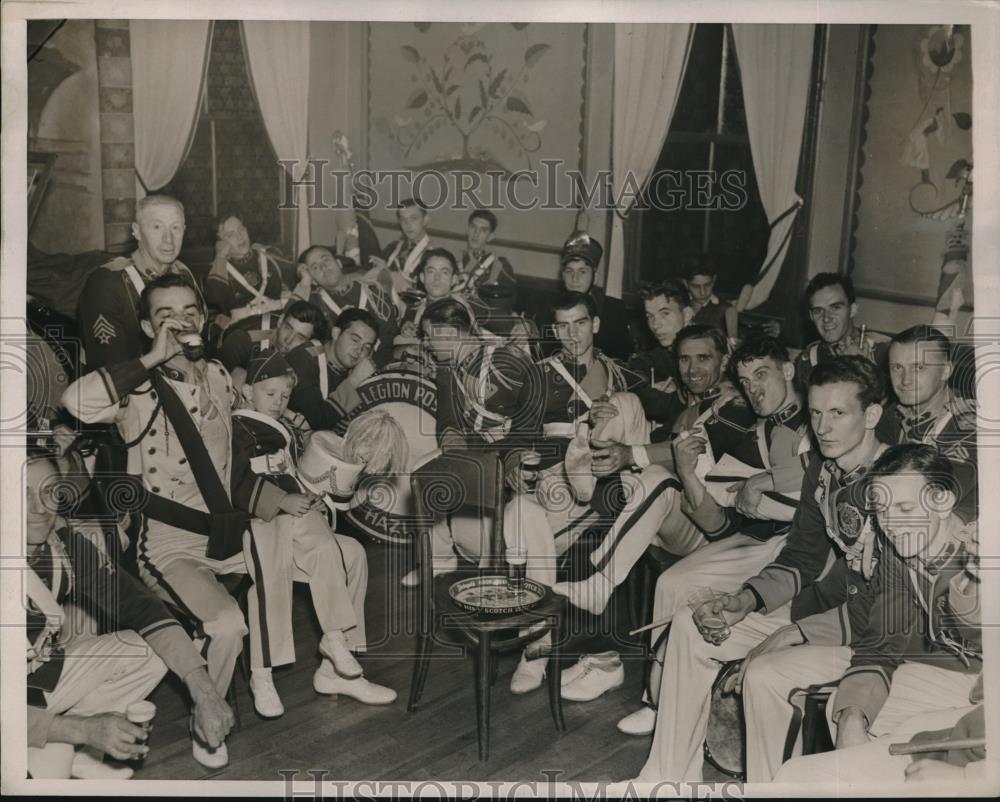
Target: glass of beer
710, 622
517, 562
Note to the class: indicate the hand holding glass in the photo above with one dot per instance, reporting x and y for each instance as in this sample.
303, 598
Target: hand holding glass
707, 609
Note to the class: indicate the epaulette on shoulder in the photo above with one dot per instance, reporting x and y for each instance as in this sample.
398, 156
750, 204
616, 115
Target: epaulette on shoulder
964, 410
118, 263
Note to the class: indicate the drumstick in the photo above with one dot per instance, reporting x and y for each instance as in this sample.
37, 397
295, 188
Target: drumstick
658, 623
936, 746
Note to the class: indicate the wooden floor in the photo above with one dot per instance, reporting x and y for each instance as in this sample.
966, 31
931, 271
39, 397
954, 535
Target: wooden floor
352, 741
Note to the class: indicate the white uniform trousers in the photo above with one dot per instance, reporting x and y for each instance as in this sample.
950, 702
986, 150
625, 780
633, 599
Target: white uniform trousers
767, 685
723, 565
549, 524
101, 674
870, 763
292, 549
690, 666
173, 563
918, 688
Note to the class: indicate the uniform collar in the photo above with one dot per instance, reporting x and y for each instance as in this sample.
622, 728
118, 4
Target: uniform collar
147, 267
785, 414
914, 418
858, 471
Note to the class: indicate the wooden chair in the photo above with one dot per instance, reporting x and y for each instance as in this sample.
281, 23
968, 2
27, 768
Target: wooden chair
809, 718
472, 483
642, 582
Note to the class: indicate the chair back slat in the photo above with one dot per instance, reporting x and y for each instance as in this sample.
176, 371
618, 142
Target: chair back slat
459, 483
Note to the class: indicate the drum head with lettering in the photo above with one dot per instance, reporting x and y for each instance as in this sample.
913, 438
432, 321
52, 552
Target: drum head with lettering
383, 506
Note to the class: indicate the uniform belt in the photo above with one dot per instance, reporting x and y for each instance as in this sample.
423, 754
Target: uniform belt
225, 525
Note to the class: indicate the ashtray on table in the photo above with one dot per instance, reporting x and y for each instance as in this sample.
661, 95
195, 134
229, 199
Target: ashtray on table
491, 595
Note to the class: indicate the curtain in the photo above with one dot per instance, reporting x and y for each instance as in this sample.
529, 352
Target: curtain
775, 68
168, 71
650, 60
277, 54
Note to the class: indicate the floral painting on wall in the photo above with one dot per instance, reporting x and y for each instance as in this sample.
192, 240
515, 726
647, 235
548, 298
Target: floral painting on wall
483, 97
913, 202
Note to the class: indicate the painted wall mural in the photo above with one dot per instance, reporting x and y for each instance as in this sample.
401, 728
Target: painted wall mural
913, 202
485, 97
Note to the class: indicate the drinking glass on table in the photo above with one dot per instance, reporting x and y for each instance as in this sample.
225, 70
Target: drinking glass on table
517, 562
707, 609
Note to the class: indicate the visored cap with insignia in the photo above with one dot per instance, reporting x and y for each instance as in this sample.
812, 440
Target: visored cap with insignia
581, 245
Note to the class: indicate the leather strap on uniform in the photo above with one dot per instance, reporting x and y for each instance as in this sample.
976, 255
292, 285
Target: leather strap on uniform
226, 523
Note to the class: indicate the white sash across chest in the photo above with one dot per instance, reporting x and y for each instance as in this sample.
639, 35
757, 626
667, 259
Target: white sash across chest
336, 308
240, 279
413, 258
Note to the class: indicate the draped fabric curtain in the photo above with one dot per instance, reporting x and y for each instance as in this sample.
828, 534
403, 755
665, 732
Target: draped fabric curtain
650, 60
168, 72
775, 68
277, 54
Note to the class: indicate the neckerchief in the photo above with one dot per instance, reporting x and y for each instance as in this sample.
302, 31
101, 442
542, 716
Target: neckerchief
848, 521
924, 427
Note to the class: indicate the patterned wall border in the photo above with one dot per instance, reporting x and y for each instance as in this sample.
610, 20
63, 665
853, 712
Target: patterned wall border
859, 136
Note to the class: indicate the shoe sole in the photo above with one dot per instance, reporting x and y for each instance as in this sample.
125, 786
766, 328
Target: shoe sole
335, 694
633, 732
592, 698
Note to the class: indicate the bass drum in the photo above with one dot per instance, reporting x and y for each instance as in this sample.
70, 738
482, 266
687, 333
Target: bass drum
724, 739
383, 505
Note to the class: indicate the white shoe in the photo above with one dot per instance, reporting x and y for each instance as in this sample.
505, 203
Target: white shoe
207, 756
579, 668
265, 695
597, 677
87, 767
329, 683
591, 594
333, 646
640, 722
528, 675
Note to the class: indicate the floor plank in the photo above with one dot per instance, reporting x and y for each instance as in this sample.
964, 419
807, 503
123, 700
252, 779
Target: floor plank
352, 741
